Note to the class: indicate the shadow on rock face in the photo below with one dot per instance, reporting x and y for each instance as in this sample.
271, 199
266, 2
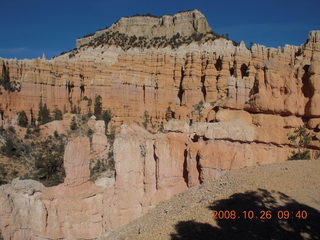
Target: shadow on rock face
297, 226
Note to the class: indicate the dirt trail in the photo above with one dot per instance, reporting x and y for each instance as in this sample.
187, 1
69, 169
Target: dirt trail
290, 186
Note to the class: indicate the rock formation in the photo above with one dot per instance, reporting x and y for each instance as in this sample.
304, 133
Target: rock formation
99, 138
219, 106
150, 168
185, 23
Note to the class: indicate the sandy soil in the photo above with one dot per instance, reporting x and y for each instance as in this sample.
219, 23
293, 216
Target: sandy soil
288, 190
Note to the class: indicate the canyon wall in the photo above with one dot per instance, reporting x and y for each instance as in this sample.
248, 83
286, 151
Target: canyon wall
190, 83
265, 80
211, 107
149, 168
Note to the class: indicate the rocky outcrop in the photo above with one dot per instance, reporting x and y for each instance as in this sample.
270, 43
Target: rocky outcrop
19, 208
185, 23
150, 168
31, 211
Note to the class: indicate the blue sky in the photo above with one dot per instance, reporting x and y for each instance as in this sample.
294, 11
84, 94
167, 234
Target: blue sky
30, 28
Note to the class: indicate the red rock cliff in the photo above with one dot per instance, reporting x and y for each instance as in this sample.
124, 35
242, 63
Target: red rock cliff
220, 106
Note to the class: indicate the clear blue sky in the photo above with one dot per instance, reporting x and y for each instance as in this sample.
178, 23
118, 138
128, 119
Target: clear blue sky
32, 27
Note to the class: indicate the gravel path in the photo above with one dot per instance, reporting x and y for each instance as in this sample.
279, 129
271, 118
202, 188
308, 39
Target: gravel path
290, 189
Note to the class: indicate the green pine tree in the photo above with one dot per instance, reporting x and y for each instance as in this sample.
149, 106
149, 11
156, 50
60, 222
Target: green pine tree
57, 114
22, 119
301, 138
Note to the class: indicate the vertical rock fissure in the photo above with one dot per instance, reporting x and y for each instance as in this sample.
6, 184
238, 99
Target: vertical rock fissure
265, 77
156, 160
82, 89
5, 73
218, 64
244, 70
143, 154
144, 93
46, 215
69, 87
217, 85
185, 167
81, 85
236, 88
307, 88
1, 114
181, 90
198, 167
255, 89
203, 88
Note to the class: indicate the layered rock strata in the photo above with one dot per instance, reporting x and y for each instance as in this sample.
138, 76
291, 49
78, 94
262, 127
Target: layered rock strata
220, 107
261, 80
191, 83
150, 168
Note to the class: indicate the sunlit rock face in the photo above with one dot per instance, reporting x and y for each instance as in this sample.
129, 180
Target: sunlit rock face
264, 80
149, 168
219, 106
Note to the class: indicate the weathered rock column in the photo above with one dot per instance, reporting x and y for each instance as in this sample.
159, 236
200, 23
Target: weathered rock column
77, 161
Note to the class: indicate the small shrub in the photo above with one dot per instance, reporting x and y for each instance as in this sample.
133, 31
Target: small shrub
33, 120
22, 119
57, 114
73, 124
111, 163
143, 151
89, 102
55, 134
305, 155
36, 131
169, 114
3, 174
11, 129
198, 108
98, 106
28, 133
98, 167
2, 130
111, 137
75, 109
9, 149
106, 117
90, 132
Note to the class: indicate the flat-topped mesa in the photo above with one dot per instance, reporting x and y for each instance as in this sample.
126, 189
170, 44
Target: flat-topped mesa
184, 23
